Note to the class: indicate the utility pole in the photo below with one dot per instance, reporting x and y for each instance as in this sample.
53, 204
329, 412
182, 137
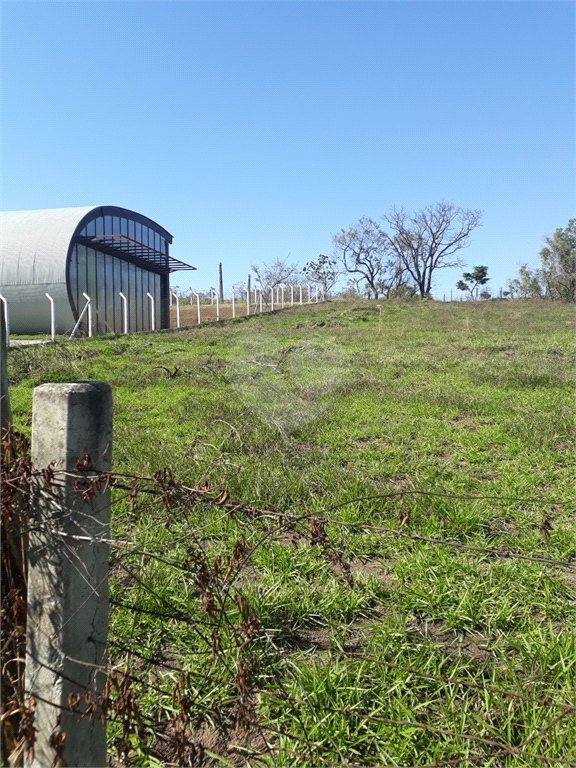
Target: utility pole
221, 282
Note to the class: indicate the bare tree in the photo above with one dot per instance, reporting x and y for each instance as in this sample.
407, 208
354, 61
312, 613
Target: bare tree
430, 239
364, 250
276, 272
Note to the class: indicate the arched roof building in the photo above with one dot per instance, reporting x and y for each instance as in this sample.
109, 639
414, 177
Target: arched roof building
72, 253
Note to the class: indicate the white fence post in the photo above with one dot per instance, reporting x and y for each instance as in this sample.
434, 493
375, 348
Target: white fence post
124, 312
316, 292
89, 310
322, 293
214, 295
198, 305
282, 293
247, 302
177, 310
260, 291
300, 287
233, 292
152, 311
291, 295
52, 317
309, 297
87, 306
272, 299
67, 623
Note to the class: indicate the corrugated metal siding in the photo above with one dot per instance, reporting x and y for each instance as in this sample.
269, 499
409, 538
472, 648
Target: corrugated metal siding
35, 245
30, 309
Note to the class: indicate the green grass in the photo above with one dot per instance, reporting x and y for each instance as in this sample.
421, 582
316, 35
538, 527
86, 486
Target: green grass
327, 411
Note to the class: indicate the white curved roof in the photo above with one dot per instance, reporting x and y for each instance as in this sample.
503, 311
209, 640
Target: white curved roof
34, 244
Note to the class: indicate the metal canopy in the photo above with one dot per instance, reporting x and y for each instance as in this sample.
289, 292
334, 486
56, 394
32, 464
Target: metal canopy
137, 253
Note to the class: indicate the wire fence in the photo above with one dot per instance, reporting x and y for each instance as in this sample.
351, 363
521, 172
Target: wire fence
204, 667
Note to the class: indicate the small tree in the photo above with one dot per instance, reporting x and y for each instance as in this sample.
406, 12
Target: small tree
528, 284
473, 280
322, 271
276, 272
430, 239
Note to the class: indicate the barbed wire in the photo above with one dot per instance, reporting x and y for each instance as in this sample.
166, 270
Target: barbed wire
240, 656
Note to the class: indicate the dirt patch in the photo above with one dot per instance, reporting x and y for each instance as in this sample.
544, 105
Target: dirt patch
569, 575
236, 745
239, 741
367, 442
364, 569
456, 643
464, 422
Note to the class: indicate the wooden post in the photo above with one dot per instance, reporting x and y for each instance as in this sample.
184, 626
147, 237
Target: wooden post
67, 620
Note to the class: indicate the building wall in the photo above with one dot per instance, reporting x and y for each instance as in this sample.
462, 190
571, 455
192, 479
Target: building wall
71, 251
29, 309
103, 277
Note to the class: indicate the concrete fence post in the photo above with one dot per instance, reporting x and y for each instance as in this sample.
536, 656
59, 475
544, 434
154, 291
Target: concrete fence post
88, 309
152, 311
214, 295
177, 299
124, 312
197, 305
67, 624
52, 317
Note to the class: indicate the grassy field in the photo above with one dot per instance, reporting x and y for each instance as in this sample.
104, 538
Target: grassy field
374, 562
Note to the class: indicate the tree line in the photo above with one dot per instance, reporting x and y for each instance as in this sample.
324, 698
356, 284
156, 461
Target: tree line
399, 256
555, 278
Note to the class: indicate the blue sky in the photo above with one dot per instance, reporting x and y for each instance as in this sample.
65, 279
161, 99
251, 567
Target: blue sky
254, 130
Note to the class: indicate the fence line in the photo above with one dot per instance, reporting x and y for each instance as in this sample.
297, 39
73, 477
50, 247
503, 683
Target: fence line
88, 308
238, 662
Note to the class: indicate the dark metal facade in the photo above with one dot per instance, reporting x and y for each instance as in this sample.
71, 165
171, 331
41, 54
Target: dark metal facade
117, 251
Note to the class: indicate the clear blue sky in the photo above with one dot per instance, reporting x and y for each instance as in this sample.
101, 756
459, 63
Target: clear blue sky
251, 130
